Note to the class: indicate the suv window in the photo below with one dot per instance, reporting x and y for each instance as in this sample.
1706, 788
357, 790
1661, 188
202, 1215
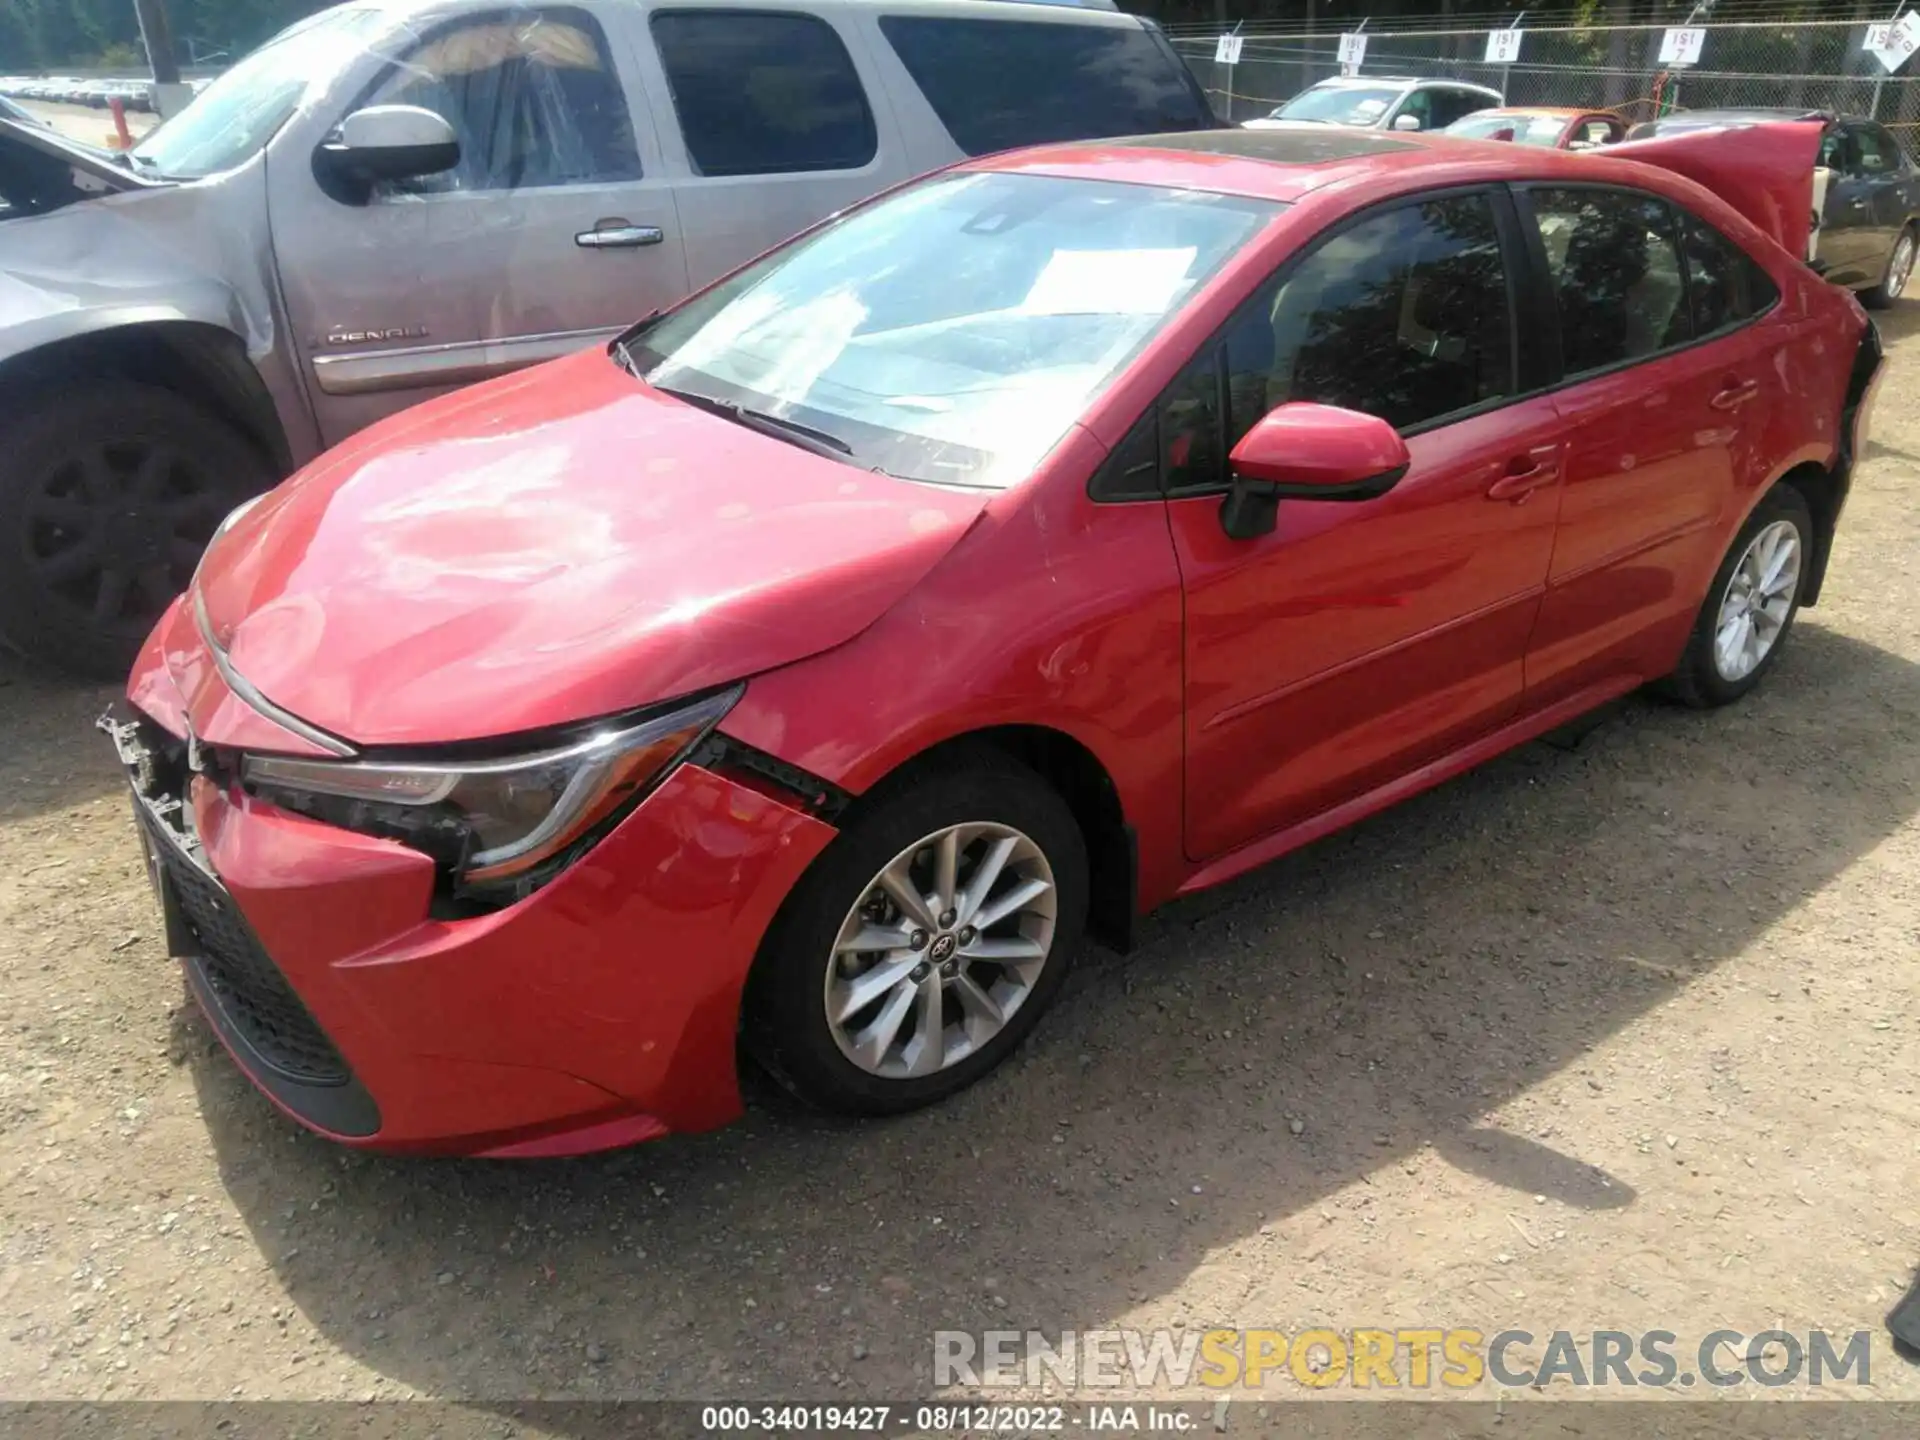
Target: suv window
1614, 260
531, 94
1725, 283
1404, 315
759, 93
1420, 105
1450, 105
998, 84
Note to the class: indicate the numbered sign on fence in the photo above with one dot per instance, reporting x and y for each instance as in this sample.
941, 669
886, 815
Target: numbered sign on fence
1353, 51
1503, 46
1894, 44
1226, 50
1682, 46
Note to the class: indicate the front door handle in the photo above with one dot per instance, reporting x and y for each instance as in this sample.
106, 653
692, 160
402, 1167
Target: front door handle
619, 235
1526, 474
1736, 395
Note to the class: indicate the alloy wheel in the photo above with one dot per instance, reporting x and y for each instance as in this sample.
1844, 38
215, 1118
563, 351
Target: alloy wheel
115, 528
1900, 267
1758, 601
944, 945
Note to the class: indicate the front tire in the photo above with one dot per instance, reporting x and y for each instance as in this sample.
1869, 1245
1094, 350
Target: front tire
1893, 280
925, 942
1743, 623
109, 491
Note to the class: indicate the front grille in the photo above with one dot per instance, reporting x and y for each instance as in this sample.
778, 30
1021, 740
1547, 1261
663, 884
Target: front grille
248, 985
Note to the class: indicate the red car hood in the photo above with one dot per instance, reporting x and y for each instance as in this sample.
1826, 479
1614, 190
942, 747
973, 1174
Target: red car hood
560, 544
1764, 170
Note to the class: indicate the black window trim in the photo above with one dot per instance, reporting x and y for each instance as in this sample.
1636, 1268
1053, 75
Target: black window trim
1548, 303
1526, 355
776, 12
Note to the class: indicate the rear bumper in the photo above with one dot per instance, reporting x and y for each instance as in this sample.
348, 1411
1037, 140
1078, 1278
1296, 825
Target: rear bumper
599, 1011
1856, 426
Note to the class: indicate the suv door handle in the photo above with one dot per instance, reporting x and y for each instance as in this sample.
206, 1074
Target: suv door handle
618, 235
1526, 474
1736, 394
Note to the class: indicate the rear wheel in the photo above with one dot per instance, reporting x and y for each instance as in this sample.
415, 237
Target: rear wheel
1743, 624
1893, 281
108, 494
924, 943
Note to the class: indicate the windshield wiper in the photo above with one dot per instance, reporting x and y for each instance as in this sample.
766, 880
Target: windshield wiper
821, 442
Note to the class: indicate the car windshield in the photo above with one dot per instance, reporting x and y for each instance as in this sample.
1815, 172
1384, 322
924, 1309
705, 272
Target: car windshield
230, 120
951, 333
1340, 104
1527, 129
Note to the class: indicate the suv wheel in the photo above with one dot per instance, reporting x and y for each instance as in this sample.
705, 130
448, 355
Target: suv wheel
109, 491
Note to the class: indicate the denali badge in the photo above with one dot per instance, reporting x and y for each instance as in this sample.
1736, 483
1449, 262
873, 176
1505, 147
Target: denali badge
374, 337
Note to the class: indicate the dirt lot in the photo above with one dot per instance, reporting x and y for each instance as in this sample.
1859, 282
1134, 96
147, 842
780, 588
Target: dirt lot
1620, 1035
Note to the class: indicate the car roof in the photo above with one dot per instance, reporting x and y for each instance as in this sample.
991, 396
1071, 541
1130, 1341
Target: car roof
1289, 160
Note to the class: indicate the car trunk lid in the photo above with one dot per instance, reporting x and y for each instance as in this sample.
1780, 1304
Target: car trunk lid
1764, 169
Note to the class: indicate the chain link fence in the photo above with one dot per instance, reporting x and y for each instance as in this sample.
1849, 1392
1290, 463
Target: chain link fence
1821, 65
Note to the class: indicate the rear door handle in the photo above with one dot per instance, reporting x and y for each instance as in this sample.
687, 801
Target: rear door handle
1736, 395
618, 235
1526, 474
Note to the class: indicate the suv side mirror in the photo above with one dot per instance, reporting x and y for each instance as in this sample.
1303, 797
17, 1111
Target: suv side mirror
1303, 451
1406, 122
385, 142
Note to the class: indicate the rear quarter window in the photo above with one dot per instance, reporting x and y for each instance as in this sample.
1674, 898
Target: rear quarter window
1725, 285
998, 84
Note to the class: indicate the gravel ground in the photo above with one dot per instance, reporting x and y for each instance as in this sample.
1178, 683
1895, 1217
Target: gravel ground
1616, 1035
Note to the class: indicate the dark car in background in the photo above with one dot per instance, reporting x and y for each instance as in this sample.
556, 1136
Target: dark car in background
1866, 196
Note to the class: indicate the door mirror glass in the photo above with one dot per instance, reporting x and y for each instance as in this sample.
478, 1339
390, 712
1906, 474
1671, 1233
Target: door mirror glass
387, 142
1406, 122
1304, 451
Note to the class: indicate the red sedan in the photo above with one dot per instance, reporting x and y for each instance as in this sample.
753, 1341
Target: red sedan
1067, 531
1552, 126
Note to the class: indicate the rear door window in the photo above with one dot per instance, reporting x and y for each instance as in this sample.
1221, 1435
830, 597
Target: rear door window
764, 93
1725, 284
1614, 260
998, 84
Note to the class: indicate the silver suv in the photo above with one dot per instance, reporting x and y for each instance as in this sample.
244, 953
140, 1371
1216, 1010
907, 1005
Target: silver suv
394, 198
1383, 102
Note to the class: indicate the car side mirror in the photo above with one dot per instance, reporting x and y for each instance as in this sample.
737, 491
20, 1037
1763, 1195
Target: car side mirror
384, 142
1505, 132
1303, 451
1406, 122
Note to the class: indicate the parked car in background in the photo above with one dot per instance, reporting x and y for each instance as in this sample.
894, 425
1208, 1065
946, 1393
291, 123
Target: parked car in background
1383, 102
1071, 530
1544, 125
393, 199
1866, 195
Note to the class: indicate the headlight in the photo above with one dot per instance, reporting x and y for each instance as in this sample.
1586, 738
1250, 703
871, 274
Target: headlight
493, 823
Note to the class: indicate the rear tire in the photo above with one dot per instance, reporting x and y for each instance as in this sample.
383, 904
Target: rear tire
1893, 280
846, 1029
109, 491
1750, 607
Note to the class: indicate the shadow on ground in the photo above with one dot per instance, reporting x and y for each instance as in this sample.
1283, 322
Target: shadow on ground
1390, 986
